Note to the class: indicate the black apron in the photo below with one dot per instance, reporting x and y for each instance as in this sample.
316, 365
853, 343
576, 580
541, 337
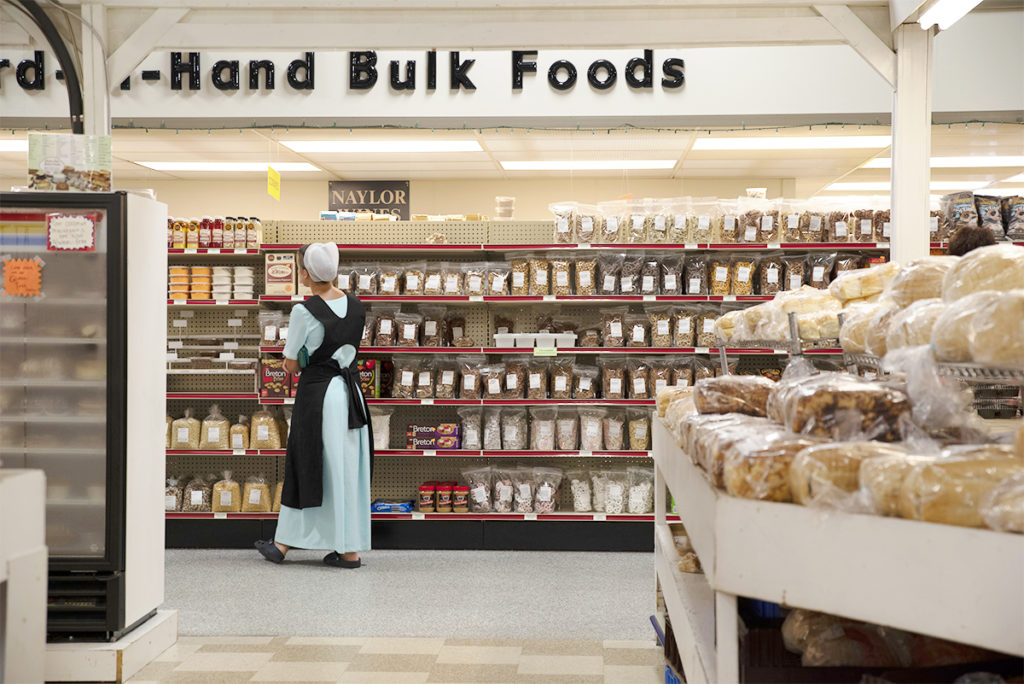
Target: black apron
304, 459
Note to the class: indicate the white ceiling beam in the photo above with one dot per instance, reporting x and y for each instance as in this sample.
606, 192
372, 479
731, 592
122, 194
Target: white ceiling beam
617, 32
27, 27
464, 5
900, 11
862, 39
12, 35
136, 47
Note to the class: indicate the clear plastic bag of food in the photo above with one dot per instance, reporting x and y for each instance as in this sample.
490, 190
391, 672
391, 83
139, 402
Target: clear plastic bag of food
660, 217
856, 322
730, 229
479, 480
743, 268
636, 225
951, 490
347, 277
470, 382
585, 382
227, 495
414, 278
567, 428
185, 432
614, 215
408, 326
499, 274
390, 279
433, 326
639, 420
837, 225
828, 475
636, 329
862, 225
546, 483
682, 373
366, 278
863, 282
640, 499
425, 379
215, 431
515, 377
542, 428
565, 221
452, 279
746, 394
196, 497
704, 323
769, 272
878, 329
406, 370
616, 491
475, 278
660, 320
720, 268
613, 329
684, 327
492, 428
386, 331
613, 377
369, 327
676, 210
996, 334
920, 279
591, 428
794, 272
820, 266
524, 489
492, 380
789, 220
696, 275
758, 467
472, 427
705, 221
839, 406
1003, 507
503, 490
614, 424
256, 497
959, 209
881, 479
172, 494
579, 486
270, 323
380, 418
912, 327
589, 223
638, 378
540, 275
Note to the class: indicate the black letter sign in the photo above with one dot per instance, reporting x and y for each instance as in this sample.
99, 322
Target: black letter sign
362, 74
219, 82
519, 67
648, 65
410, 75
674, 77
570, 71
610, 74
293, 73
458, 72
191, 67
36, 65
255, 66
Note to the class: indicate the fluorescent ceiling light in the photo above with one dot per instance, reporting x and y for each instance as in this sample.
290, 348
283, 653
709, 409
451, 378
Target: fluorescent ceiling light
606, 165
849, 142
381, 146
226, 166
13, 145
885, 185
945, 13
1002, 191
1019, 178
978, 162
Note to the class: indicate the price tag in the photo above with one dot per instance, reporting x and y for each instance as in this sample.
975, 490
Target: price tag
241, 251
227, 356
213, 250
584, 245
586, 454
549, 298
529, 516
649, 298
774, 245
234, 322
238, 452
179, 323
600, 517
220, 302
650, 454
191, 251
700, 350
545, 351
427, 402
172, 356
690, 245
231, 345
220, 516
476, 298
728, 298
179, 302
416, 515
175, 344
430, 452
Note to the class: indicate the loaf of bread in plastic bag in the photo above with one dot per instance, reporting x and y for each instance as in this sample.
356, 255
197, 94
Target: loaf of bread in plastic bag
1003, 507
996, 336
829, 474
912, 327
863, 282
758, 467
920, 279
733, 394
838, 406
881, 479
951, 335
856, 323
951, 489
995, 267
878, 329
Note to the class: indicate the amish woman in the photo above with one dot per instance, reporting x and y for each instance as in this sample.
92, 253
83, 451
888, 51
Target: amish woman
325, 502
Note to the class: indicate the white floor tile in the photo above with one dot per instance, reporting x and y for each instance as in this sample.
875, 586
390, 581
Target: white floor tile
479, 655
300, 672
403, 646
224, 662
561, 665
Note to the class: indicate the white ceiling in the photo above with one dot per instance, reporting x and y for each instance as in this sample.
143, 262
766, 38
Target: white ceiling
812, 170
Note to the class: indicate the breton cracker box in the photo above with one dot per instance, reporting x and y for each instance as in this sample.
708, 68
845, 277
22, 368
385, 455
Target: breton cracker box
369, 377
274, 379
433, 436
279, 269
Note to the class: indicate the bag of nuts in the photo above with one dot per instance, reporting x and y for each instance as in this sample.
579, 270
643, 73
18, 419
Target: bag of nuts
696, 275
609, 268
492, 378
520, 272
537, 379
406, 369
730, 232
474, 276
386, 331
561, 276
743, 275
639, 379
629, 276
684, 328
584, 382
412, 278
589, 225
639, 428
613, 329
794, 272
671, 272
705, 324
433, 279
446, 379
770, 274
454, 280
498, 277
682, 373
540, 275
660, 319
635, 328
390, 280
586, 276
614, 214
565, 221
366, 278
408, 325
561, 377
515, 377
433, 326
613, 378
425, 377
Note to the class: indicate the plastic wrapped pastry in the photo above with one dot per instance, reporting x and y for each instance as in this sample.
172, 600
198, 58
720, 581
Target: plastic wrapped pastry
839, 406
997, 331
856, 323
920, 279
829, 474
733, 394
951, 335
758, 467
881, 479
913, 326
995, 267
863, 282
1003, 507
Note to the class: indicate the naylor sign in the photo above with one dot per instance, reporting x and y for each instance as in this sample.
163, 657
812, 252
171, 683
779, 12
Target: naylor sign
383, 197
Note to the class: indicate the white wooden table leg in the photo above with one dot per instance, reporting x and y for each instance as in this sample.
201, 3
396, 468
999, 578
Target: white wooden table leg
727, 643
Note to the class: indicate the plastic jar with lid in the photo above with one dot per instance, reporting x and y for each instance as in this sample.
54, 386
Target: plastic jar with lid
178, 238
228, 232
206, 232
217, 232
425, 503
192, 234
240, 232
253, 233
460, 499
444, 498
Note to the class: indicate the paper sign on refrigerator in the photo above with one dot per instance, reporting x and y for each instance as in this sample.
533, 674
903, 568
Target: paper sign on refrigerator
70, 233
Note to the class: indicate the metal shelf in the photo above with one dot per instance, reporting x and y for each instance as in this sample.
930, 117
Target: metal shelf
514, 247
213, 302
972, 372
213, 395
49, 341
212, 251
882, 570
385, 401
559, 515
56, 384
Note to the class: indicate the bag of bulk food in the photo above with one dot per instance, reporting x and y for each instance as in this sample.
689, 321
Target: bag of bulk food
265, 432
256, 496
546, 481
172, 494
479, 481
641, 490
240, 433
579, 484
227, 495
215, 431
196, 496
278, 490
185, 432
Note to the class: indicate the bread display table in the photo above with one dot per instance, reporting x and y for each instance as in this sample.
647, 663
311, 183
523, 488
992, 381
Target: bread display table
949, 582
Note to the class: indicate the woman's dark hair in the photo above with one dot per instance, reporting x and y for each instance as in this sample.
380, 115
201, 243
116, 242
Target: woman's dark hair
967, 238
302, 259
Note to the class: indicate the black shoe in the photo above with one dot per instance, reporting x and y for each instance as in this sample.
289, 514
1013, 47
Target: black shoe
334, 558
269, 550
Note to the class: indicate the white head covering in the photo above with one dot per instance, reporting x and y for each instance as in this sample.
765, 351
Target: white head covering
321, 260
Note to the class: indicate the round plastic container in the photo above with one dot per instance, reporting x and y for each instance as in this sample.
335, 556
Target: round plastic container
426, 501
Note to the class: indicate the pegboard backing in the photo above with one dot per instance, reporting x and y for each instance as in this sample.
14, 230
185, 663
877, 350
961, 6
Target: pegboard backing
241, 467
230, 408
212, 382
212, 321
255, 261
377, 232
521, 232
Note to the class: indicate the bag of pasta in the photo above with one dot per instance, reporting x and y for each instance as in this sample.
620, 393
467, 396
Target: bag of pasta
239, 433
256, 496
227, 495
185, 432
264, 431
215, 431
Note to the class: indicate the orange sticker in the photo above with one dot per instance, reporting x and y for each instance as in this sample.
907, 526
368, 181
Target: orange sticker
22, 277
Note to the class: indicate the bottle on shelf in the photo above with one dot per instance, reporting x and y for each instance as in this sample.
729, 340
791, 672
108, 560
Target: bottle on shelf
206, 232
228, 236
217, 233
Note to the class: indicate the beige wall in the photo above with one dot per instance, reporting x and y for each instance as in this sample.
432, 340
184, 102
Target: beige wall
303, 200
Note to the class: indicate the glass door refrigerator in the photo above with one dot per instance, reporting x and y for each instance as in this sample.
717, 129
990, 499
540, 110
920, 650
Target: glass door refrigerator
82, 344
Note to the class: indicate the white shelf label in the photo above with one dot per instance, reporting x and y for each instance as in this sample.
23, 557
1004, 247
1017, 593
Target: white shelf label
690, 245
476, 298
227, 356
298, 298
430, 452
416, 515
220, 302
549, 298
700, 350
774, 245
586, 454
584, 245
175, 344
231, 345
780, 351
213, 250
220, 516
529, 516
178, 302
600, 517
191, 251
728, 298
427, 402
650, 454
179, 323
234, 322
238, 452
649, 298
172, 356
241, 251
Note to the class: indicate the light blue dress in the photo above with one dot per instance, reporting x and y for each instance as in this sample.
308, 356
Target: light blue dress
342, 522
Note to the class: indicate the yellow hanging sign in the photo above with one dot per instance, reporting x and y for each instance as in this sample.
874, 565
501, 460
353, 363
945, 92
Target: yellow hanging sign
273, 183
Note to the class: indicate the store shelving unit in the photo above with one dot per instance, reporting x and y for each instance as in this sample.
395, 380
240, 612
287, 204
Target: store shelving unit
883, 570
398, 470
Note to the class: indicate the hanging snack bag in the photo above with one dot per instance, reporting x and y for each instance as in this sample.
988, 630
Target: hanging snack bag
196, 496
523, 490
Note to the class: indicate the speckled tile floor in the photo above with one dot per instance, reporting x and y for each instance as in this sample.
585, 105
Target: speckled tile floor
404, 660
450, 594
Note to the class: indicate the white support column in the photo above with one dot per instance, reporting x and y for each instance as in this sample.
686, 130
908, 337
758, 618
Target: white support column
95, 89
727, 639
911, 142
